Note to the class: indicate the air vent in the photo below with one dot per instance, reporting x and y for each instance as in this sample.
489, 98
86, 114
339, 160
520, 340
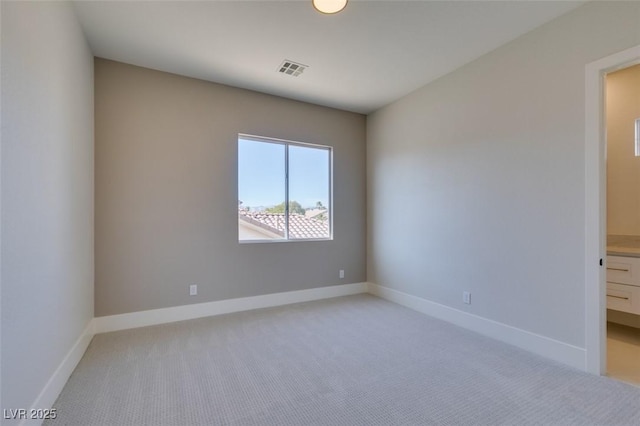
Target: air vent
292, 68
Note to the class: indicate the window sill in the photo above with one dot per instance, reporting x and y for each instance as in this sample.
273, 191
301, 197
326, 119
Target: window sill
297, 240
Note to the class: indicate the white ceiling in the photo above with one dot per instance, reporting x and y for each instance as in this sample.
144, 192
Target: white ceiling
361, 59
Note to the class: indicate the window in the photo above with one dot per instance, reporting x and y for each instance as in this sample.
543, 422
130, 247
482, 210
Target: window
284, 190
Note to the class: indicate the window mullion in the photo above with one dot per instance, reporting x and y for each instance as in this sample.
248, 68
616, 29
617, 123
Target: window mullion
286, 191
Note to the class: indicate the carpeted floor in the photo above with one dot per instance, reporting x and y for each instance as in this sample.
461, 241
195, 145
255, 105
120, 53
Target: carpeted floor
355, 360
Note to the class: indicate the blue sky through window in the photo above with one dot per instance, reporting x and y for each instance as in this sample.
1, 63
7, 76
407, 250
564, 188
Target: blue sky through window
261, 174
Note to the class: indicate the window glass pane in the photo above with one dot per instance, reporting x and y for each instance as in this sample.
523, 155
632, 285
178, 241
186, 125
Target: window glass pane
309, 194
261, 190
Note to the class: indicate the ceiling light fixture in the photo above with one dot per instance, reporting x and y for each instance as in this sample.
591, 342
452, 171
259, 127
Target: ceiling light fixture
329, 7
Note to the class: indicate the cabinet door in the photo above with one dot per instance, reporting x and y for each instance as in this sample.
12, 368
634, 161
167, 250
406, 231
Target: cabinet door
622, 297
623, 270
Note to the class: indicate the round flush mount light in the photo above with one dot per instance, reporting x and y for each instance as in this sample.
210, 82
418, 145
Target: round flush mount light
329, 7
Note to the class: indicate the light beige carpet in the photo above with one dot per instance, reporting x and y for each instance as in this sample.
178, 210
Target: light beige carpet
356, 360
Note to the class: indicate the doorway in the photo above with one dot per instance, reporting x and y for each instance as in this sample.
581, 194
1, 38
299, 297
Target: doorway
622, 117
596, 207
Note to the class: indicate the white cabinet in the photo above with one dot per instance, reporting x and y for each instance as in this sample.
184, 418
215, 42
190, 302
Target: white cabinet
623, 284
623, 270
622, 297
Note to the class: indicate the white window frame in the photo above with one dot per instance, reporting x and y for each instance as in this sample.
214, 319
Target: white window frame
637, 137
287, 144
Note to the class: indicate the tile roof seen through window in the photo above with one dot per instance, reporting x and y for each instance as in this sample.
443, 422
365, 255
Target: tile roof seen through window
300, 227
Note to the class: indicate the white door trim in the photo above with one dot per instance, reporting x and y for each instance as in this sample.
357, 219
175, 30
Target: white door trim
595, 205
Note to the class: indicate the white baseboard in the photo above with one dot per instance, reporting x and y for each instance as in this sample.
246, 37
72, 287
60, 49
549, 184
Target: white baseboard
199, 310
558, 351
52, 389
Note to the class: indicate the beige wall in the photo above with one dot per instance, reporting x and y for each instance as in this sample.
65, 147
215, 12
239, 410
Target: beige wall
488, 163
47, 194
623, 167
166, 192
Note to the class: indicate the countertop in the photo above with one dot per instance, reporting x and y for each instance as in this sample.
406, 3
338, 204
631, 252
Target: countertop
623, 245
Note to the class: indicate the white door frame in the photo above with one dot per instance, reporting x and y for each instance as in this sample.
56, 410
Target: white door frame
595, 205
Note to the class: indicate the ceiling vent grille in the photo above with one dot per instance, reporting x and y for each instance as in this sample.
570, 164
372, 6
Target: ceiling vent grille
292, 68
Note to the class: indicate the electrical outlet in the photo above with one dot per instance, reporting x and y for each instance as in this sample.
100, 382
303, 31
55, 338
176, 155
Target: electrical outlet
466, 297
193, 290
341, 273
